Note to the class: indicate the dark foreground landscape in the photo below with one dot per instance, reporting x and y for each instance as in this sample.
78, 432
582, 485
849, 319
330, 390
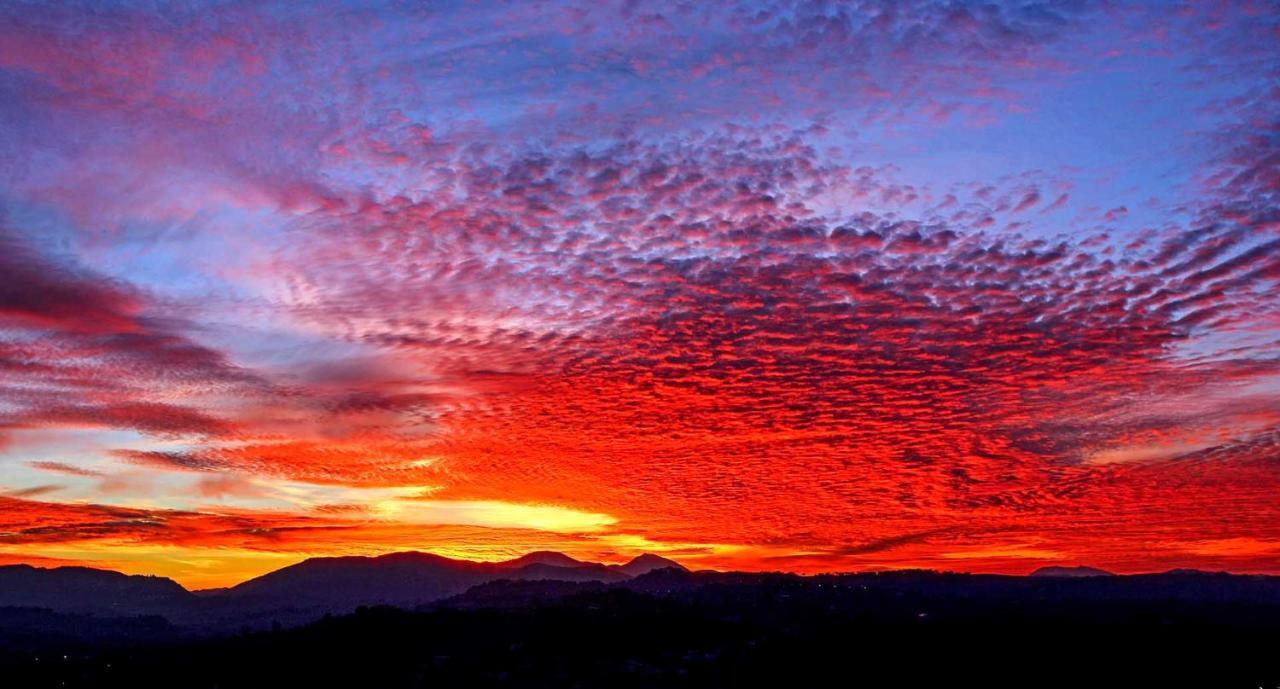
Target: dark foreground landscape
545, 620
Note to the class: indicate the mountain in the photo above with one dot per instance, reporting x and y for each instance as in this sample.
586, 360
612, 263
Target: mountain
711, 629
337, 583
648, 562
1071, 572
58, 606
295, 594
584, 572
1189, 572
542, 557
341, 584
84, 590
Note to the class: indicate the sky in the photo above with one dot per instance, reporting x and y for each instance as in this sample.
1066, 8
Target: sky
786, 285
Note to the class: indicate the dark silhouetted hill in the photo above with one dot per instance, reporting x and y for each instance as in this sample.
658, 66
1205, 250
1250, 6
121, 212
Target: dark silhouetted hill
292, 595
676, 629
338, 585
582, 573
404, 579
82, 590
50, 607
643, 564
1068, 572
542, 557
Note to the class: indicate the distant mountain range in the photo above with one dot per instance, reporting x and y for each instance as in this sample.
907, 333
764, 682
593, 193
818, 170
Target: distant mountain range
61, 602
1071, 572
297, 593
666, 627
339, 584
83, 590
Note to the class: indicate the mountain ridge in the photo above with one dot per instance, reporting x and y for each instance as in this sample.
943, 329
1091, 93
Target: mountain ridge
648, 562
308, 590
332, 585
1077, 571
88, 590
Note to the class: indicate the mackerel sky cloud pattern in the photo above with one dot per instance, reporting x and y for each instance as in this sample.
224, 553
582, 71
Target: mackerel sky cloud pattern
781, 285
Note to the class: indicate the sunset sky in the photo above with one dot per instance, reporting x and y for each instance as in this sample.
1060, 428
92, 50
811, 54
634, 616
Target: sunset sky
806, 286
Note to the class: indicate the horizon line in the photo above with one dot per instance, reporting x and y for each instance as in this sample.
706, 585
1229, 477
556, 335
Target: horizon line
848, 572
